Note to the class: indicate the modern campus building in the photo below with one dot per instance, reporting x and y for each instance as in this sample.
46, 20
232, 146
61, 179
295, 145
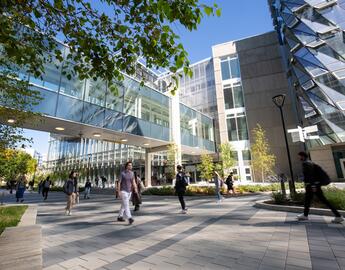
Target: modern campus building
97, 126
312, 38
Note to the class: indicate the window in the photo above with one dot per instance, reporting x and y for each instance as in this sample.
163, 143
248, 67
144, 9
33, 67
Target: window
237, 127
230, 67
246, 155
233, 96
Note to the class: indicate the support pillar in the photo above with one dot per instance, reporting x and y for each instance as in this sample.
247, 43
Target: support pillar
148, 168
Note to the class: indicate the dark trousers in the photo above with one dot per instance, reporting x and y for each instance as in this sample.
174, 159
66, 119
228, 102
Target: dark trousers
181, 199
309, 196
45, 193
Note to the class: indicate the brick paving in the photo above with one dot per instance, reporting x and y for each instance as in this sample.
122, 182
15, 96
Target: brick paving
230, 235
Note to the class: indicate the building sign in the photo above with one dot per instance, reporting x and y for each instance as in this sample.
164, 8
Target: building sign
300, 134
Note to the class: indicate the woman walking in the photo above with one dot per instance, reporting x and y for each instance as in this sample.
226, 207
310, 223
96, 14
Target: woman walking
20, 188
69, 189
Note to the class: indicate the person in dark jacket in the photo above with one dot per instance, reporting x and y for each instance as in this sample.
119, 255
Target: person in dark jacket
46, 186
180, 187
313, 186
69, 189
87, 189
230, 183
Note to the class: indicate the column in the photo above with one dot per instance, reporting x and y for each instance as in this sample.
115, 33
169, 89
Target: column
175, 125
148, 173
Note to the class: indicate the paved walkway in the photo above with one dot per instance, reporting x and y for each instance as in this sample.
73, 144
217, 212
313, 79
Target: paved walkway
230, 235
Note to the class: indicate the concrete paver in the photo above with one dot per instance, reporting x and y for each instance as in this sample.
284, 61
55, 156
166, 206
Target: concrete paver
230, 235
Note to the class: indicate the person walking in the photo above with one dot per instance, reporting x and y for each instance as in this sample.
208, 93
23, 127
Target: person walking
69, 189
76, 188
87, 189
230, 183
314, 178
104, 180
127, 185
136, 197
218, 182
40, 186
20, 188
96, 181
180, 187
46, 186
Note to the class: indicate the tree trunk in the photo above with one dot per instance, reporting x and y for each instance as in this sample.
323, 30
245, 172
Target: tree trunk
262, 175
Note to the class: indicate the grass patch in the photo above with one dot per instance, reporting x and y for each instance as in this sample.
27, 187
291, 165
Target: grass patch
10, 216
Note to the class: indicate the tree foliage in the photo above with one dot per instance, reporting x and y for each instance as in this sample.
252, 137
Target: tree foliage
14, 163
104, 39
227, 158
206, 167
17, 102
262, 158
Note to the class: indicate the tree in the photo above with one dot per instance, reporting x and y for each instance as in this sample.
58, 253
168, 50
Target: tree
227, 158
17, 101
170, 168
206, 167
104, 38
14, 163
262, 159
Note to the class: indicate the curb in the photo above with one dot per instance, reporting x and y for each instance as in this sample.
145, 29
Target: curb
295, 209
29, 217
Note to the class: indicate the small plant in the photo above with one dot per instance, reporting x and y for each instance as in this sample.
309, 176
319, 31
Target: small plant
278, 198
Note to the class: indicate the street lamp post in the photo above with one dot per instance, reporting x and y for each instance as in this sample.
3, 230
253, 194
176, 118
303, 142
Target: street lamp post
279, 100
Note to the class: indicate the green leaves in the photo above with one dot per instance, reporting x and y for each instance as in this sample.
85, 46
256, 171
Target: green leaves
263, 160
206, 167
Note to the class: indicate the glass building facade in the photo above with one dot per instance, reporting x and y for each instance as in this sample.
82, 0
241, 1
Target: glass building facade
92, 158
125, 106
312, 33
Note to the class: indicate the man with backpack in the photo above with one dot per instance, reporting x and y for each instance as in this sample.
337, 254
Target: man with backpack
314, 178
46, 186
180, 187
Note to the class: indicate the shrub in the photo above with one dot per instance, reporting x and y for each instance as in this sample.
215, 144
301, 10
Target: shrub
336, 197
278, 198
298, 197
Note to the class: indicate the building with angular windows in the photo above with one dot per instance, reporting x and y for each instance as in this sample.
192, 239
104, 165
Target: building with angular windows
312, 36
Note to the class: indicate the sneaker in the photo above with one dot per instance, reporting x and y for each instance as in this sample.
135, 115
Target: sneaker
69, 213
130, 221
338, 220
301, 217
120, 219
184, 211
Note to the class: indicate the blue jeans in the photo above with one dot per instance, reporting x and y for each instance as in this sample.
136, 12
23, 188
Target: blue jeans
219, 196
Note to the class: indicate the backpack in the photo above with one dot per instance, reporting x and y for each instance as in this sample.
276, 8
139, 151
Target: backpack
321, 176
46, 184
68, 187
181, 182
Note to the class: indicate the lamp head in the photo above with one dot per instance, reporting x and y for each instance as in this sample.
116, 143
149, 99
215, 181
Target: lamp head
278, 100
